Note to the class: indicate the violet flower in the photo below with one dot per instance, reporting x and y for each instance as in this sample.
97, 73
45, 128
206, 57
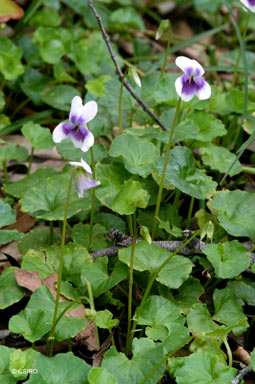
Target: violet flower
191, 83
249, 4
77, 128
82, 179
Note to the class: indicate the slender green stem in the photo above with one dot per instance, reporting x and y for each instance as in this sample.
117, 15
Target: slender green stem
155, 219
154, 370
230, 358
20, 106
120, 101
78, 299
61, 263
190, 212
175, 205
150, 283
93, 196
249, 170
2, 84
169, 39
6, 178
240, 52
30, 161
92, 308
130, 225
51, 233
130, 293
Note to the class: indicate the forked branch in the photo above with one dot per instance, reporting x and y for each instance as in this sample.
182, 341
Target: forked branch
120, 73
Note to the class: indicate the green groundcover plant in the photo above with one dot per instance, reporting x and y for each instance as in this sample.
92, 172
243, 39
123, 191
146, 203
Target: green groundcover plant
134, 262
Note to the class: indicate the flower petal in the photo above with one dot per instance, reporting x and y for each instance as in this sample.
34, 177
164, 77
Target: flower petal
178, 86
81, 164
84, 183
88, 113
59, 133
85, 166
204, 92
189, 88
75, 163
249, 4
76, 109
88, 142
189, 67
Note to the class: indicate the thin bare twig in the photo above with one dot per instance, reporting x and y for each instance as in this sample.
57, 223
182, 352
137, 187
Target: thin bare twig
241, 375
120, 73
195, 247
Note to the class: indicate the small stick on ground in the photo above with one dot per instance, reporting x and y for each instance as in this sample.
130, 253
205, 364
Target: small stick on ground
241, 375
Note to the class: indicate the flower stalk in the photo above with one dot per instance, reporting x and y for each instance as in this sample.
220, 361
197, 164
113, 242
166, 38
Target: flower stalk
169, 39
152, 279
240, 52
92, 212
161, 185
6, 177
130, 292
61, 264
92, 308
30, 161
120, 100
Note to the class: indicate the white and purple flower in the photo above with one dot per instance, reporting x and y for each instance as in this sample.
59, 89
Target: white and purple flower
249, 4
191, 83
82, 179
77, 128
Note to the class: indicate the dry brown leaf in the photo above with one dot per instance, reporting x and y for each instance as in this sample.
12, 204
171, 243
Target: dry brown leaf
242, 355
76, 312
13, 250
50, 282
98, 357
87, 337
26, 279
24, 222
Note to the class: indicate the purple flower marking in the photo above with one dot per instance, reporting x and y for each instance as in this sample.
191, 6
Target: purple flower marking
83, 180
249, 4
76, 128
191, 83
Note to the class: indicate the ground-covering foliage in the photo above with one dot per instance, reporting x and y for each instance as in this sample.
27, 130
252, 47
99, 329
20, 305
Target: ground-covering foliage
127, 207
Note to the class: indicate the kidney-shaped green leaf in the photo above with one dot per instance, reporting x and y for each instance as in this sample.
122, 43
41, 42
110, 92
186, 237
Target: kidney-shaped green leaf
40, 137
227, 309
228, 259
7, 214
59, 369
46, 200
220, 159
10, 291
10, 59
236, 212
9, 151
183, 174
35, 320
201, 368
131, 196
208, 126
111, 177
146, 356
54, 43
160, 311
19, 188
100, 375
139, 156
60, 97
